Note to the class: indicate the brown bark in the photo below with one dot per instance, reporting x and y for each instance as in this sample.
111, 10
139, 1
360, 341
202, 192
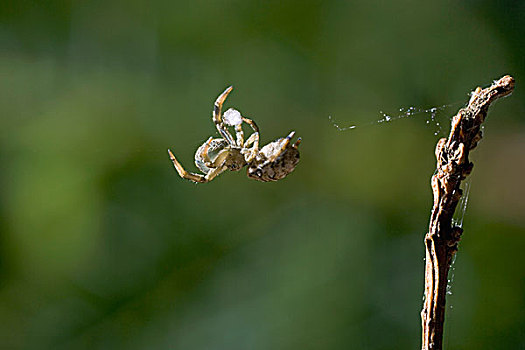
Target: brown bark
441, 241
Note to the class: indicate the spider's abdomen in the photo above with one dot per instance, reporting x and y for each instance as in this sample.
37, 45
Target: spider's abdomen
273, 171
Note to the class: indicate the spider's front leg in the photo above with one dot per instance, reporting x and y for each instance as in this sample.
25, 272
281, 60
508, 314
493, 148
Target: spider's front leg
186, 175
217, 116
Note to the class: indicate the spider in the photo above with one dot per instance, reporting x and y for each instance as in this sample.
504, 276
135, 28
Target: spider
272, 162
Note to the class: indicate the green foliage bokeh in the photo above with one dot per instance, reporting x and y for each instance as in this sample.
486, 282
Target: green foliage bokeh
103, 246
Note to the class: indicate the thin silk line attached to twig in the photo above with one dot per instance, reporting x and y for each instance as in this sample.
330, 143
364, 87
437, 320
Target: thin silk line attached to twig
408, 112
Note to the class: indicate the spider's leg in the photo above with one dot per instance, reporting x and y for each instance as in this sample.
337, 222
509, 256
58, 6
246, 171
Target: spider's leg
240, 135
251, 123
215, 172
218, 165
184, 174
297, 143
217, 116
284, 143
219, 161
204, 153
253, 139
252, 152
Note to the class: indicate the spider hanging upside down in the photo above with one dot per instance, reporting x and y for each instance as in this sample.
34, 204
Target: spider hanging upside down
271, 163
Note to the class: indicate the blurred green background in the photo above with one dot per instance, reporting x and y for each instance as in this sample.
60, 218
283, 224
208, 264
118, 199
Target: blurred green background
103, 246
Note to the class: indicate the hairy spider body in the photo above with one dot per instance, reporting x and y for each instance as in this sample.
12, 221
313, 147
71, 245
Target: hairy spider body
271, 163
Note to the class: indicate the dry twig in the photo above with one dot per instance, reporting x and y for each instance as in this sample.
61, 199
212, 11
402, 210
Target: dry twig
441, 241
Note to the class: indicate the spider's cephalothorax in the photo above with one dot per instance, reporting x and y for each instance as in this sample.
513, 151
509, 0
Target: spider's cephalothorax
271, 163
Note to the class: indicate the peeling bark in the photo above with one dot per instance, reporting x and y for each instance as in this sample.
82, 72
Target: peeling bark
441, 241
